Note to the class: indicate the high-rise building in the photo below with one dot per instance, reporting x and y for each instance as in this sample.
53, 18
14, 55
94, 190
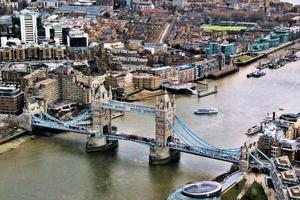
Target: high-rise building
28, 25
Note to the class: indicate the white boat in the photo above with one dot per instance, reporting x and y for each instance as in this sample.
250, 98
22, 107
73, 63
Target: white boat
254, 129
203, 111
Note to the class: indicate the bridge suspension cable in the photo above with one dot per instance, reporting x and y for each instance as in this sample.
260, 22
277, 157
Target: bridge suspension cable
199, 140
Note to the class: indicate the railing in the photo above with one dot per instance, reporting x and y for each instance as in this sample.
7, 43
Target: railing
137, 139
127, 107
217, 155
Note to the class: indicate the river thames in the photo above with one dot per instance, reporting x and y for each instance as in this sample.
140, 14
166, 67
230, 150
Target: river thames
52, 168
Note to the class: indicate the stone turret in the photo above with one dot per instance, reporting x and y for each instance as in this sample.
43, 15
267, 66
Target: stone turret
101, 122
164, 114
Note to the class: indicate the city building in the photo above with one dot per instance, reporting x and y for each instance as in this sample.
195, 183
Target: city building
146, 81
203, 190
11, 100
289, 178
294, 192
186, 73
13, 73
32, 51
57, 31
283, 163
28, 25
48, 89
77, 39
215, 48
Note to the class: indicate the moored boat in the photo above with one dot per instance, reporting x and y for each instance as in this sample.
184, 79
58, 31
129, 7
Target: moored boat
203, 111
254, 129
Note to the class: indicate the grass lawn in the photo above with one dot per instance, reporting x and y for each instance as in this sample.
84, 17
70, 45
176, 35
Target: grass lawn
243, 58
223, 28
233, 192
256, 191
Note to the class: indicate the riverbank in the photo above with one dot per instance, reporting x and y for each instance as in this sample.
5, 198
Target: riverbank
12, 144
262, 54
144, 95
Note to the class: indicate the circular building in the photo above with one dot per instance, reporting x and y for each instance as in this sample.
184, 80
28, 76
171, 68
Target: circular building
204, 190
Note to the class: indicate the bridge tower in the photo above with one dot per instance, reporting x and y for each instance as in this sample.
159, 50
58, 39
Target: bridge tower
101, 122
244, 159
164, 112
32, 107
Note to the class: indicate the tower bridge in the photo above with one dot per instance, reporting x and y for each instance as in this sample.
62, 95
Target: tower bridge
172, 135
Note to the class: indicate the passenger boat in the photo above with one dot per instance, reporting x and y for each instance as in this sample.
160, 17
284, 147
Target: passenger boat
203, 111
254, 129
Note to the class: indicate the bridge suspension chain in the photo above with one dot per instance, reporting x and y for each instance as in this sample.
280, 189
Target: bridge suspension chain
200, 140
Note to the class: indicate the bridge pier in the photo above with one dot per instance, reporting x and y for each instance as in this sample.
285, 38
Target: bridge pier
163, 155
99, 143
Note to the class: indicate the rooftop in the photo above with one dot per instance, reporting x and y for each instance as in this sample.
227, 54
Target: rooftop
283, 161
294, 192
289, 175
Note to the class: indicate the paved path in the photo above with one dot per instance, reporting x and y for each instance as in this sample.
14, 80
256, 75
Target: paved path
260, 178
231, 180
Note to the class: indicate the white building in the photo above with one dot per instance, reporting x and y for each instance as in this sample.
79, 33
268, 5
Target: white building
179, 3
77, 38
28, 22
58, 30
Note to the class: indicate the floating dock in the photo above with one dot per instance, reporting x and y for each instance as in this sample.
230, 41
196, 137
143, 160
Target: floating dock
182, 88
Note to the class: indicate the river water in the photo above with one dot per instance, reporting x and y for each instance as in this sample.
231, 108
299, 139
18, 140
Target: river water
52, 168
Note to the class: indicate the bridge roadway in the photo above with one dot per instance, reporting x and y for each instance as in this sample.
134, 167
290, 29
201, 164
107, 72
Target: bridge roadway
133, 138
128, 107
216, 154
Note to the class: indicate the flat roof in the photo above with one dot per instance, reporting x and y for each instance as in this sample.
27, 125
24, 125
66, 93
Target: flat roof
283, 161
289, 175
294, 191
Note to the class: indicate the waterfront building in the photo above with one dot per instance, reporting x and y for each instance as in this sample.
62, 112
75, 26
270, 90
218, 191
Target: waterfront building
186, 73
215, 48
11, 100
294, 192
289, 178
28, 25
203, 190
120, 81
146, 81
283, 163
283, 34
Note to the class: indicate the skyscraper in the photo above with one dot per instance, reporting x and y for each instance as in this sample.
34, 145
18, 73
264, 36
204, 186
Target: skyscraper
28, 23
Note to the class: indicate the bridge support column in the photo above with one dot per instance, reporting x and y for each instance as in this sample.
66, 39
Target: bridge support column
99, 143
163, 155
164, 112
26, 122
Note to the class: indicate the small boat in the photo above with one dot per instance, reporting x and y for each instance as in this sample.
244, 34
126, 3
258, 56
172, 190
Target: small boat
254, 129
203, 111
256, 74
